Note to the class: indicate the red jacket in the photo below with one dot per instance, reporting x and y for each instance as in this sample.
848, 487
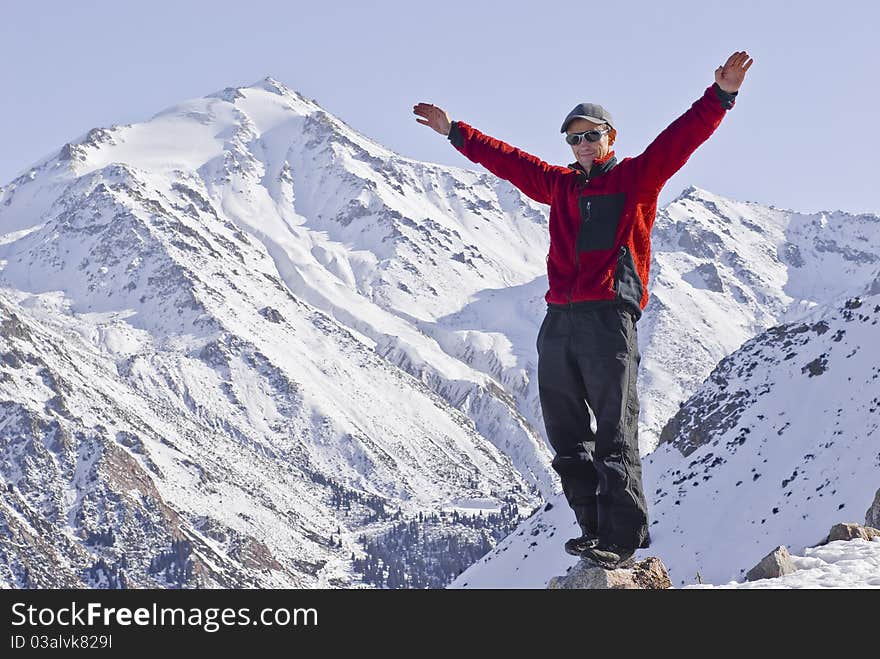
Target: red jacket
600, 224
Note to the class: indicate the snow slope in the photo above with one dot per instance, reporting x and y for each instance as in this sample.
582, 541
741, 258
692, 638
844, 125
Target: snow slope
779, 444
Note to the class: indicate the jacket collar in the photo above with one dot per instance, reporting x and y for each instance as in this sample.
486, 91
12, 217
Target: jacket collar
599, 168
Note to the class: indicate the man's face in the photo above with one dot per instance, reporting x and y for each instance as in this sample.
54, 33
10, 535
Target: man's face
586, 152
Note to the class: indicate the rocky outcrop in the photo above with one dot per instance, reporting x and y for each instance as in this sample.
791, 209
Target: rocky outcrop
849, 531
777, 563
649, 574
872, 516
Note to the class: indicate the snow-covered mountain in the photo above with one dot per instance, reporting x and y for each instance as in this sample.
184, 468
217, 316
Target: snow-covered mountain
238, 340
243, 344
723, 271
780, 443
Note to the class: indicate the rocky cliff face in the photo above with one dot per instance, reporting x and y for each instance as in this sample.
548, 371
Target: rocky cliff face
724, 271
778, 444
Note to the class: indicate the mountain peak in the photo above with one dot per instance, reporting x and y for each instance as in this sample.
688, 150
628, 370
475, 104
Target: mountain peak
270, 84
267, 83
275, 86
695, 193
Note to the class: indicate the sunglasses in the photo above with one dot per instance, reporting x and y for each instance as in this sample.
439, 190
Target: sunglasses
589, 135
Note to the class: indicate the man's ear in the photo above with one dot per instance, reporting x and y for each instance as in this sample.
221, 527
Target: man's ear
612, 135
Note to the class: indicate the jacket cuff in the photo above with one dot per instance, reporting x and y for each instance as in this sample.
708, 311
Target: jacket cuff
455, 135
726, 98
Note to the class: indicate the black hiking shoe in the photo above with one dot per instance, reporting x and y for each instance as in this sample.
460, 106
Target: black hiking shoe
610, 557
577, 546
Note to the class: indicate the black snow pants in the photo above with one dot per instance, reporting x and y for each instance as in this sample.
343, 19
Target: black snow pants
588, 359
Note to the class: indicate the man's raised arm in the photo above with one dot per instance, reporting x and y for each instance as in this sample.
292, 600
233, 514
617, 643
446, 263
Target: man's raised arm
671, 149
533, 176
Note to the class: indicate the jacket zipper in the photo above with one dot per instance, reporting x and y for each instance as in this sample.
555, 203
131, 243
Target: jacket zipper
577, 261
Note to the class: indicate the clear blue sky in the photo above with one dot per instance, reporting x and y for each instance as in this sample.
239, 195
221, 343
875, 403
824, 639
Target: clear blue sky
803, 134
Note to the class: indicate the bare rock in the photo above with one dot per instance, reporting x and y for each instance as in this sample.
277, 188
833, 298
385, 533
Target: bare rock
775, 564
872, 517
649, 574
849, 531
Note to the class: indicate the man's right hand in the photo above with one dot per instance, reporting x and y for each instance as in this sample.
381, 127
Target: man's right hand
434, 117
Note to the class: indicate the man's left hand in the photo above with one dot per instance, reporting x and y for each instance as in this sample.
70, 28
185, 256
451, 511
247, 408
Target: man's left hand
730, 76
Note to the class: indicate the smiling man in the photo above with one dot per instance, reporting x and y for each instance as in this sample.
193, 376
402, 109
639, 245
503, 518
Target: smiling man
601, 215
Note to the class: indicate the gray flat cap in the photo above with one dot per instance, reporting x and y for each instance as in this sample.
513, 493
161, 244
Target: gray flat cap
589, 111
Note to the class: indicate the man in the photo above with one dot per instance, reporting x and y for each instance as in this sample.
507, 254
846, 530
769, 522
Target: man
601, 215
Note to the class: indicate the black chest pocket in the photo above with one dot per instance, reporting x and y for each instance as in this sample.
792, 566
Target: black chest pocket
600, 218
